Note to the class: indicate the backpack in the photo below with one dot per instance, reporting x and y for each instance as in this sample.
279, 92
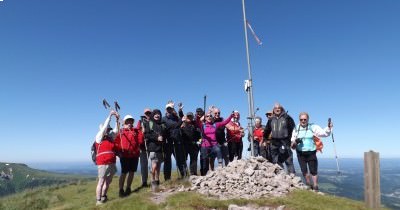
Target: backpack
318, 143
93, 152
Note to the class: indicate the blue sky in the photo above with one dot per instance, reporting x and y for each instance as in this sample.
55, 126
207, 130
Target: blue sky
59, 59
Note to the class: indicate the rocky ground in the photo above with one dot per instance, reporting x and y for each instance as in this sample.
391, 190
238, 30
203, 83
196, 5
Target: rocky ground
247, 178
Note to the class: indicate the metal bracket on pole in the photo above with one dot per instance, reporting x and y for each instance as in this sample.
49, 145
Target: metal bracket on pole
247, 85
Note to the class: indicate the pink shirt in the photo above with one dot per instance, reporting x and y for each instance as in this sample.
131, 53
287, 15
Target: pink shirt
208, 131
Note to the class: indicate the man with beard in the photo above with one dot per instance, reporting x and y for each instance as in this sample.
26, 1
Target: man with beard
280, 127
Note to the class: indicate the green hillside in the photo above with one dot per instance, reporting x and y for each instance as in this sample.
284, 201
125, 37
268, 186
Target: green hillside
81, 195
28, 178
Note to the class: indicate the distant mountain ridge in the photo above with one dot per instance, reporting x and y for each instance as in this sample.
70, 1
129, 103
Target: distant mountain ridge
24, 177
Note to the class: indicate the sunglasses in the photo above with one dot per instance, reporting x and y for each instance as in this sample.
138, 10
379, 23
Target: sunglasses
208, 116
303, 119
147, 113
217, 112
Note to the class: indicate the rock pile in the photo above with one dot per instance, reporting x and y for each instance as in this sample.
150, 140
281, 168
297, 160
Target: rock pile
251, 178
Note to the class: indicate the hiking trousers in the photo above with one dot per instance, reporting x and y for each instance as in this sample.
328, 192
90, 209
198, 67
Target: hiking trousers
281, 153
205, 154
256, 148
192, 150
167, 160
265, 152
235, 149
225, 152
177, 150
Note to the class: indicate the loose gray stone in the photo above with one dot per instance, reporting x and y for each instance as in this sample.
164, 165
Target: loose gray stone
251, 178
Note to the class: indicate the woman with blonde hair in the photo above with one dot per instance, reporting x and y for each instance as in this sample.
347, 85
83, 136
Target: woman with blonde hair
303, 140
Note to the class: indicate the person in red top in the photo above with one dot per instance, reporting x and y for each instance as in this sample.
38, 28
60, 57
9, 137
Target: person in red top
258, 134
234, 137
105, 158
128, 141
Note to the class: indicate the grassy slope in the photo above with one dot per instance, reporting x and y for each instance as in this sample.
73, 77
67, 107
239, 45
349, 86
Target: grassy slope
29, 178
81, 195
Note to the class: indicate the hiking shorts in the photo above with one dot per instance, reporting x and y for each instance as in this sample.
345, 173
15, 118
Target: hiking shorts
128, 164
156, 157
308, 158
106, 171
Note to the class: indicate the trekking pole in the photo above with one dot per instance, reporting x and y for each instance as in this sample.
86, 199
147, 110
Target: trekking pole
334, 148
204, 106
117, 108
149, 163
106, 105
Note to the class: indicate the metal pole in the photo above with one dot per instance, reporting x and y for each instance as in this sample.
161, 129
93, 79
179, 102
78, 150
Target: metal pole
249, 89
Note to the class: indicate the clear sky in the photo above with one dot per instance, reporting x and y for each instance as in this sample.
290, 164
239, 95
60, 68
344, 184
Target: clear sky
59, 59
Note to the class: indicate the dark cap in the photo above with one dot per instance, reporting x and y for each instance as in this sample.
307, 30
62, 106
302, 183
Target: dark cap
189, 114
199, 110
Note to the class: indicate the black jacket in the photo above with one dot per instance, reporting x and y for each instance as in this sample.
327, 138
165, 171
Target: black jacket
172, 124
280, 127
220, 132
189, 134
152, 130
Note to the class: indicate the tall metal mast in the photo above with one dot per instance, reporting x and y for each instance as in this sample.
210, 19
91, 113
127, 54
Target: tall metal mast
249, 83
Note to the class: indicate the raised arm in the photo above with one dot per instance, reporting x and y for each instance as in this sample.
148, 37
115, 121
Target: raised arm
104, 126
319, 132
199, 124
225, 122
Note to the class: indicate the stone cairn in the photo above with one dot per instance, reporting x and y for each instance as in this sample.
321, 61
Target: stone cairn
250, 179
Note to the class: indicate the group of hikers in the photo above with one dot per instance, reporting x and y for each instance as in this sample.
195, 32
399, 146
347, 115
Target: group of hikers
155, 138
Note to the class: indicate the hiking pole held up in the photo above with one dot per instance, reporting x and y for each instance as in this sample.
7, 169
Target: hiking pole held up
334, 147
117, 108
205, 101
116, 105
106, 105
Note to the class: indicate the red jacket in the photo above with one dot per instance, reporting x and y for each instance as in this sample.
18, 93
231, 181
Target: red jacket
258, 132
128, 142
105, 152
234, 132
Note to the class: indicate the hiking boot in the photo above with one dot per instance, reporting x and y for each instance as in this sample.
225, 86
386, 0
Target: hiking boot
98, 202
104, 199
145, 185
309, 186
128, 191
315, 188
158, 182
121, 193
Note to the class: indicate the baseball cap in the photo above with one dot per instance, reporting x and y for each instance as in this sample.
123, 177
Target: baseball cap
169, 105
128, 117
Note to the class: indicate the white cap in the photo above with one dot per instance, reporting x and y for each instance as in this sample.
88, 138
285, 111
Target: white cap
170, 105
128, 117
